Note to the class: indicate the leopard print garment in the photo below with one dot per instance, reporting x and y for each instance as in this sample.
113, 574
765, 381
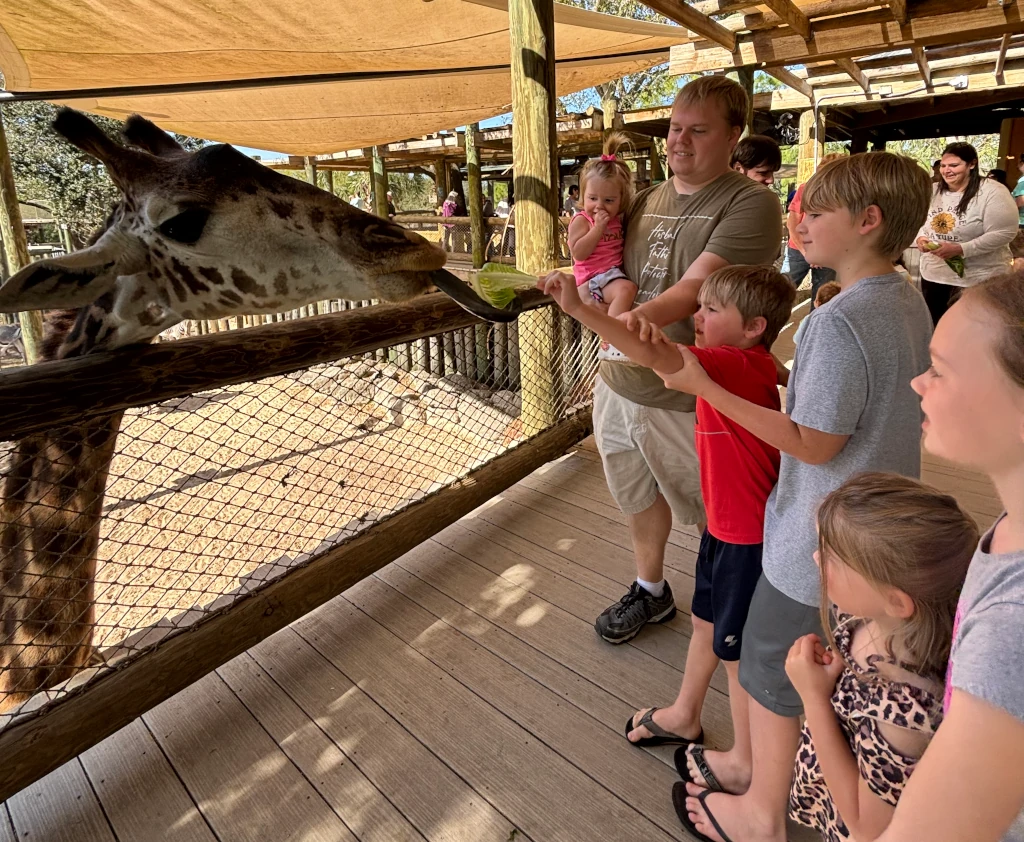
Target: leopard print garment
860, 704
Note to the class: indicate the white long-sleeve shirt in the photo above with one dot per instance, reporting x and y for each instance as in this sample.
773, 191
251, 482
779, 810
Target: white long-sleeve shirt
984, 232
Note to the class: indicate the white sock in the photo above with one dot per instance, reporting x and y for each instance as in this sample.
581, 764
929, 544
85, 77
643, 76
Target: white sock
655, 589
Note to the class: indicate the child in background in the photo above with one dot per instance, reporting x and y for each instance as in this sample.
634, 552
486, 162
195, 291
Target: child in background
893, 554
968, 784
826, 292
596, 236
742, 310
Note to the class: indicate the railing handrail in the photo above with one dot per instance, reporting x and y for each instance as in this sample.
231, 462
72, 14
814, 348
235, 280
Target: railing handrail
51, 394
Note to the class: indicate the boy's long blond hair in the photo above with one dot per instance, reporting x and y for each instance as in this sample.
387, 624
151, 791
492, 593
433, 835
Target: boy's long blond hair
899, 187
611, 167
899, 533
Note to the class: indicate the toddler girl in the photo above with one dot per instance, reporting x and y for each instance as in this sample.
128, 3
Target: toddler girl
596, 233
893, 554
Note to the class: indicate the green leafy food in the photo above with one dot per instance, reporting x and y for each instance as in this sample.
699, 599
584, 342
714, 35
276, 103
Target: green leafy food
957, 265
497, 283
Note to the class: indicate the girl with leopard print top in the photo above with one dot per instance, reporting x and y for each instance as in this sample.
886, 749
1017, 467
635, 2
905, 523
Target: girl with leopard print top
893, 554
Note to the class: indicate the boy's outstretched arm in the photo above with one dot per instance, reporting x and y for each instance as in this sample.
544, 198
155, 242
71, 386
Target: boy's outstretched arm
658, 355
680, 301
772, 427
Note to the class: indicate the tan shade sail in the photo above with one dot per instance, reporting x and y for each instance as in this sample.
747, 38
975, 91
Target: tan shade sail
76, 44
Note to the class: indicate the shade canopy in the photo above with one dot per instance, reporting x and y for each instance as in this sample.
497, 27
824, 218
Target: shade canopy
49, 45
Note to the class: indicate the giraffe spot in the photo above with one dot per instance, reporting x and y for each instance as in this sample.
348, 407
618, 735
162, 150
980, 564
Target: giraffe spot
212, 275
316, 219
249, 187
179, 288
281, 283
295, 273
282, 208
246, 283
316, 270
157, 253
139, 294
146, 318
196, 286
230, 298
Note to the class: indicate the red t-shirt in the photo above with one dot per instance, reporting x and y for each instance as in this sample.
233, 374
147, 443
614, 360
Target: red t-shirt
737, 470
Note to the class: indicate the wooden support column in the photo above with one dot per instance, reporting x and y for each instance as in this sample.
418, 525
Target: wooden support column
609, 109
812, 146
1011, 147
859, 141
532, 36
379, 184
16, 246
657, 170
330, 180
474, 195
311, 170
746, 78
441, 180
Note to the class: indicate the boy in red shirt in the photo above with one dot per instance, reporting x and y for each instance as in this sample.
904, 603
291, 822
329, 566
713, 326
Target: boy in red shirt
742, 310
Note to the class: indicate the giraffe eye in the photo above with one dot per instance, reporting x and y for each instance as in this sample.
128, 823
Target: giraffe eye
187, 227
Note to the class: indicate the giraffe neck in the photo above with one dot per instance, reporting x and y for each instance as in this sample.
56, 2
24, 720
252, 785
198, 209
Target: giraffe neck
50, 518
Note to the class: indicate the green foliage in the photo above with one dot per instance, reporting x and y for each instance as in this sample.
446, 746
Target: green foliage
49, 170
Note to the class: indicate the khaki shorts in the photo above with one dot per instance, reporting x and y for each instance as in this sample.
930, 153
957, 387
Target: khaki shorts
647, 450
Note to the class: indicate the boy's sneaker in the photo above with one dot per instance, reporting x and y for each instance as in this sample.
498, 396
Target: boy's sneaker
621, 621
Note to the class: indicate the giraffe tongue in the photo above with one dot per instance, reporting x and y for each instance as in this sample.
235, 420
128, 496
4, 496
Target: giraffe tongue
466, 298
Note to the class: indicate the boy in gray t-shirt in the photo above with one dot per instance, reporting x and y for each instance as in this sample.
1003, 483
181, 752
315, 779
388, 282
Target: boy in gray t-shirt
850, 409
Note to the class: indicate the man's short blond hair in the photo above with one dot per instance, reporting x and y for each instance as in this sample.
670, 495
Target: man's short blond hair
756, 291
900, 188
727, 94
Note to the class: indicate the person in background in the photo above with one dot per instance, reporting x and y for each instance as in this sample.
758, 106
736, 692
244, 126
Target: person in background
572, 200
757, 157
392, 211
448, 209
936, 177
997, 175
826, 292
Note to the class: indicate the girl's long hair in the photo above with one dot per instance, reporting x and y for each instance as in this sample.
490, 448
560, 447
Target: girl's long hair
899, 533
969, 155
613, 168
1003, 295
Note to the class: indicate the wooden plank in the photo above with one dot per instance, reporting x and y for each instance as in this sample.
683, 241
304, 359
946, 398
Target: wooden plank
922, 65
596, 748
554, 801
1004, 45
6, 828
60, 808
792, 14
792, 80
33, 747
849, 67
139, 791
427, 792
244, 784
40, 397
361, 806
685, 15
899, 10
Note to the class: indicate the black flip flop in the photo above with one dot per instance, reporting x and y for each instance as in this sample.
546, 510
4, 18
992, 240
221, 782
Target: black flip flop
711, 783
661, 736
679, 796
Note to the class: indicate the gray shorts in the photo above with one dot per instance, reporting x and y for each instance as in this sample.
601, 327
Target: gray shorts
646, 450
774, 623
599, 282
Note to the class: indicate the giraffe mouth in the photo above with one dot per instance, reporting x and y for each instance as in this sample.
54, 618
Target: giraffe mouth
464, 296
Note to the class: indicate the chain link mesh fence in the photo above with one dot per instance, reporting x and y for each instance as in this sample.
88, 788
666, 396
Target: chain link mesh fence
215, 494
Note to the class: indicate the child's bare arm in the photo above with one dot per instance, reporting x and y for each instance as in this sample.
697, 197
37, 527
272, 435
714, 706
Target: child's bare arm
583, 237
661, 356
680, 301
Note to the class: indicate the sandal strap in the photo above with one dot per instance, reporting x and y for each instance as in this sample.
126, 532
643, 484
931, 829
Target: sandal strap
711, 816
713, 785
647, 721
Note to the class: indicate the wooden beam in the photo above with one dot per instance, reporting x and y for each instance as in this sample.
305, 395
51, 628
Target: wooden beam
899, 10
53, 394
685, 15
848, 36
791, 80
849, 67
794, 17
922, 64
947, 104
379, 184
1004, 45
534, 152
474, 195
36, 746
310, 166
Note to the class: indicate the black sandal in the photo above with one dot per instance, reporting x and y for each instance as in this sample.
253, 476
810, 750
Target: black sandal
711, 783
679, 796
661, 736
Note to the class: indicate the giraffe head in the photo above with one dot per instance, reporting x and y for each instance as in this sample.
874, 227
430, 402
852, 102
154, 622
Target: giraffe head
210, 234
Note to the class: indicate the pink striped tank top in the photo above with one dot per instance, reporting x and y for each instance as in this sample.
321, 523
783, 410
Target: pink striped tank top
607, 255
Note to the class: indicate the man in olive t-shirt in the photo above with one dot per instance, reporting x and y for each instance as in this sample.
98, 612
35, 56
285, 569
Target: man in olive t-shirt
677, 233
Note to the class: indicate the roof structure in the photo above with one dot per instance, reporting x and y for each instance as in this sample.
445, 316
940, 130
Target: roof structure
301, 76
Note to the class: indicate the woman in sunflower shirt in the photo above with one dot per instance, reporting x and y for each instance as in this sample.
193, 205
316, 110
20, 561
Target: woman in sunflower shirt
966, 236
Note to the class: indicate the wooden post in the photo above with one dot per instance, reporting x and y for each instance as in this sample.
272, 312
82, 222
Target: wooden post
746, 78
441, 180
859, 141
475, 198
812, 146
16, 246
532, 35
610, 108
311, 170
329, 174
379, 185
657, 171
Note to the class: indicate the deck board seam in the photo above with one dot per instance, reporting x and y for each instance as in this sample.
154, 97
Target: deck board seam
99, 801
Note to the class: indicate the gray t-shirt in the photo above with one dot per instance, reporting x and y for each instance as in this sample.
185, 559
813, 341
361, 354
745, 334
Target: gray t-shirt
985, 660
851, 377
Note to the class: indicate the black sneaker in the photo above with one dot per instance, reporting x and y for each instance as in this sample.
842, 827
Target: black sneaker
621, 621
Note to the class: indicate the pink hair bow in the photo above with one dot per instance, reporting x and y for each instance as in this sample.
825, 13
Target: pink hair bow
608, 157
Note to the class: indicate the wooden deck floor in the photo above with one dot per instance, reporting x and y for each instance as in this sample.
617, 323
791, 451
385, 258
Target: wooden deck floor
460, 694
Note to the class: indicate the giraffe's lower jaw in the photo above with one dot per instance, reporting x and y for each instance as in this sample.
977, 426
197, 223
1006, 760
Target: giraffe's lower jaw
463, 295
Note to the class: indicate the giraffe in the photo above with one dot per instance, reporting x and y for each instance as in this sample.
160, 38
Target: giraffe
196, 235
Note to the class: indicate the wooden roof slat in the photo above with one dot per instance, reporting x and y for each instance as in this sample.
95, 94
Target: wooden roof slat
1004, 45
684, 15
848, 36
794, 17
899, 10
792, 80
922, 64
849, 67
